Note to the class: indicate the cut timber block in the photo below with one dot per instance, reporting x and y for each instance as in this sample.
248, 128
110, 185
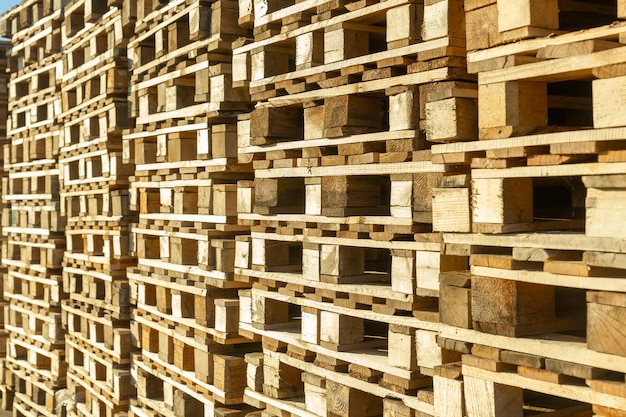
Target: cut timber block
404, 24
511, 108
452, 119
309, 50
502, 200
396, 408
314, 122
602, 219
404, 109
515, 14
343, 43
338, 329
311, 261
269, 123
268, 61
451, 210
310, 325
403, 271
455, 299
448, 388
606, 315
402, 347
428, 266
343, 401
266, 312
341, 261
511, 308
443, 18
314, 393
609, 101
229, 375
482, 27
227, 315
429, 353
488, 399
350, 114
186, 405
254, 370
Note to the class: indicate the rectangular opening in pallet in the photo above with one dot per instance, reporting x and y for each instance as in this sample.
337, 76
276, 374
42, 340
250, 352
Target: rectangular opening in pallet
517, 308
366, 195
347, 40
76, 58
277, 256
586, 14
20, 119
75, 22
42, 113
70, 97
570, 104
146, 50
558, 198
43, 80
22, 89
279, 196
271, 124
502, 205
346, 264
279, 58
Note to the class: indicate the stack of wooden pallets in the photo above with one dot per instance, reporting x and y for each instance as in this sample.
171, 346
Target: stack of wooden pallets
95, 203
349, 96
5, 395
537, 205
32, 222
185, 189
314, 208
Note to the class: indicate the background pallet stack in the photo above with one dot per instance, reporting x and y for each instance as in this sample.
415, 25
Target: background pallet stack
5, 396
33, 225
95, 201
537, 204
349, 96
185, 149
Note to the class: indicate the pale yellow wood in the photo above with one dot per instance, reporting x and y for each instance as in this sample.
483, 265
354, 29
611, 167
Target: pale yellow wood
402, 349
404, 110
513, 14
339, 329
443, 18
609, 99
451, 210
403, 274
310, 262
602, 218
429, 352
364, 169
484, 398
310, 326
449, 398
451, 119
574, 392
404, 23
309, 50
502, 201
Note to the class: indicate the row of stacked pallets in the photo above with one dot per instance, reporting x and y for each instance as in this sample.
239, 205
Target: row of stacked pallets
275, 208
184, 144
33, 229
538, 204
95, 205
342, 255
